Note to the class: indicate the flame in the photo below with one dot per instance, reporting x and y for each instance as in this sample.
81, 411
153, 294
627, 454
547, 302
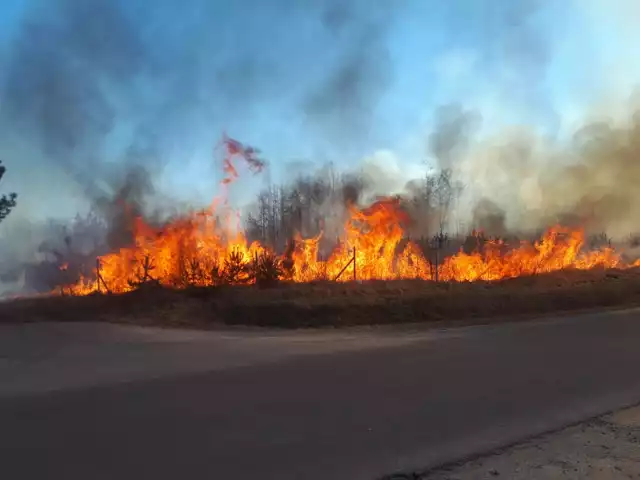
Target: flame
559, 248
233, 148
197, 250
194, 250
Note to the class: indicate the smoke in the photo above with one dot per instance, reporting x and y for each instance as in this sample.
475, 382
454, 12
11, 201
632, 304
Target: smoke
86, 81
69, 68
523, 51
60, 69
525, 182
452, 133
517, 182
342, 108
489, 218
93, 90
600, 190
102, 101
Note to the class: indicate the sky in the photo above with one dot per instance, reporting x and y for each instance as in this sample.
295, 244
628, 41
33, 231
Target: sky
89, 86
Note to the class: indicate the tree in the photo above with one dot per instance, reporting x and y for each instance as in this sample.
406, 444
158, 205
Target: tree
443, 193
7, 202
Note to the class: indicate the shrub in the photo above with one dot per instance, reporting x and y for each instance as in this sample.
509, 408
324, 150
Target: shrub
266, 269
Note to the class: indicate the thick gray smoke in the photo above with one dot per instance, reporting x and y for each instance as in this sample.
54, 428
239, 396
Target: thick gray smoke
62, 64
528, 183
452, 133
601, 190
342, 107
98, 95
82, 76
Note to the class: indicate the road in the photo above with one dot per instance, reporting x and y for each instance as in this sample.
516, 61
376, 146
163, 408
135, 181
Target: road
106, 402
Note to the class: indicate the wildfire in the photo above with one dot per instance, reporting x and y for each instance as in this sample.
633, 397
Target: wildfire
194, 251
558, 249
197, 250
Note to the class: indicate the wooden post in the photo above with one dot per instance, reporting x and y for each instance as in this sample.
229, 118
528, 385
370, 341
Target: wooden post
355, 276
344, 268
98, 273
437, 241
146, 268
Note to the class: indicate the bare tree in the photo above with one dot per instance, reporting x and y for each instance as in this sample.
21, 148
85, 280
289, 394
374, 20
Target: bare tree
443, 193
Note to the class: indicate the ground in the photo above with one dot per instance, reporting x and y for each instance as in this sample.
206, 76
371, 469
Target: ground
604, 448
344, 304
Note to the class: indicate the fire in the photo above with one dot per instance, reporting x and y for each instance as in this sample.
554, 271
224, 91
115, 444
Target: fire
558, 249
234, 148
195, 251
198, 250
189, 251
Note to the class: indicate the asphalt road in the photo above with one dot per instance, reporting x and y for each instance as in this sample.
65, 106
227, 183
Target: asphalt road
325, 406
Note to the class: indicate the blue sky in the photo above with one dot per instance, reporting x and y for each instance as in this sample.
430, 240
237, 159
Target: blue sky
303, 80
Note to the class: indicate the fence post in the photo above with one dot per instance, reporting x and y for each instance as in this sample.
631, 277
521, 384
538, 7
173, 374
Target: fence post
344, 268
354, 265
98, 273
437, 242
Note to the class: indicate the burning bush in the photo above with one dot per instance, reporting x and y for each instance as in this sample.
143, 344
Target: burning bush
266, 269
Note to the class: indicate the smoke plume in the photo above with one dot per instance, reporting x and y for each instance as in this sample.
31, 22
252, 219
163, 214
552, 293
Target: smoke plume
531, 183
102, 100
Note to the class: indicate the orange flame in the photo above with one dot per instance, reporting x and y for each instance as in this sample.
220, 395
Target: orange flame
558, 249
233, 148
193, 250
196, 250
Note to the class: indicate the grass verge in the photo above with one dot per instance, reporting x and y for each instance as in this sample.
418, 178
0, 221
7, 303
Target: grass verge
342, 304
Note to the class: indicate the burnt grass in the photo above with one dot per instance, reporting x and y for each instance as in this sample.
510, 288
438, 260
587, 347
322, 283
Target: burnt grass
331, 304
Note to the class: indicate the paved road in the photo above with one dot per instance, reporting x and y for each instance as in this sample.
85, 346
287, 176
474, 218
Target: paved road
358, 406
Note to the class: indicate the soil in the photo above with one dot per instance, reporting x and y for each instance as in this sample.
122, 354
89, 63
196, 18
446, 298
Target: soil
334, 304
604, 448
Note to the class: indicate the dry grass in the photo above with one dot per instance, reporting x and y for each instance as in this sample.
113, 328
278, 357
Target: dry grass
338, 304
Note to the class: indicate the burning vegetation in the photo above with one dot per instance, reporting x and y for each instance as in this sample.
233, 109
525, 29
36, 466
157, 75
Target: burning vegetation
193, 252
478, 223
206, 248
316, 235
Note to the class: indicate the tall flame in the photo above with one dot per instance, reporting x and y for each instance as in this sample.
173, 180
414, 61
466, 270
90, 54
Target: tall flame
191, 250
195, 249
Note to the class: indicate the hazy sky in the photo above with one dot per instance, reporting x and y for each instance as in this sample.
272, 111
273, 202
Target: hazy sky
85, 81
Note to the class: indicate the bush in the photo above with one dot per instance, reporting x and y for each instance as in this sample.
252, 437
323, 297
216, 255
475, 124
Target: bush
236, 269
266, 270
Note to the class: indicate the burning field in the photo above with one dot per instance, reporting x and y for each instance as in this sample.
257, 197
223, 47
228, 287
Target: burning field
383, 201
201, 250
330, 303
202, 269
195, 252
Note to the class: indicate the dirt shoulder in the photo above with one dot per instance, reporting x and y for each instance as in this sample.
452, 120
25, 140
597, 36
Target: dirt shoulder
604, 448
334, 304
